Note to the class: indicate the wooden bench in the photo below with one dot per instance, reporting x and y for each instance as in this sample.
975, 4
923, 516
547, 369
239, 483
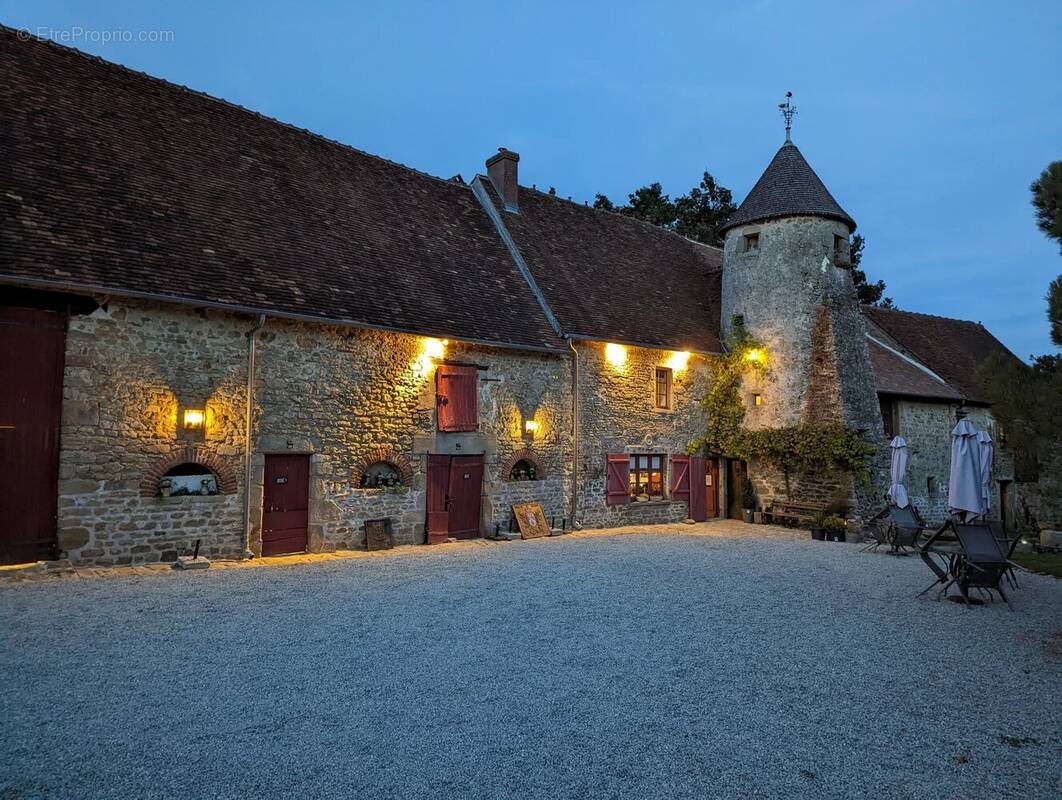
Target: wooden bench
793, 514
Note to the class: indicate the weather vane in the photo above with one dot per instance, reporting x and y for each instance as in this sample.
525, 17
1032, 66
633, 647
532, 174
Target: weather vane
787, 111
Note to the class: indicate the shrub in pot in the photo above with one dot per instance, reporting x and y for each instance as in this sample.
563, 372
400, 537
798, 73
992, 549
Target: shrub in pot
834, 528
748, 499
818, 525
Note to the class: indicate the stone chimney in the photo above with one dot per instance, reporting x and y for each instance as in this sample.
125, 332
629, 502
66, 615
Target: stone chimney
501, 167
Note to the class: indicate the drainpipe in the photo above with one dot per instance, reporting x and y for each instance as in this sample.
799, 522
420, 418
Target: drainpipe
247, 437
575, 434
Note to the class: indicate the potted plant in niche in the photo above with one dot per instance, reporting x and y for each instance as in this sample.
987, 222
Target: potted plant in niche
834, 528
748, 499
818, 525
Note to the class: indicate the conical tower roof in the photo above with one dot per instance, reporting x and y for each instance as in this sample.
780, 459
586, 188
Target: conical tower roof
788, 187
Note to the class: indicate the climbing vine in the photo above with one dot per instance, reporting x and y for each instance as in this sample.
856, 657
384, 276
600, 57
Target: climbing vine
794, 448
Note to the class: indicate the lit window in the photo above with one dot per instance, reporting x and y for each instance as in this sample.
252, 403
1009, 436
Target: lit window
647, 475
663, 387
750, 243
757, 399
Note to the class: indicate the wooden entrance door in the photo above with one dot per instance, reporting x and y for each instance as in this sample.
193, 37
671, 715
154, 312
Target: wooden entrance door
32, 354
466, 491
711, 488
285, 504
737, 474
455, 489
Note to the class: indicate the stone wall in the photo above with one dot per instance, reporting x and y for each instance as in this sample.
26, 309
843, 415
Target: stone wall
339, 395
617, 415
926, 427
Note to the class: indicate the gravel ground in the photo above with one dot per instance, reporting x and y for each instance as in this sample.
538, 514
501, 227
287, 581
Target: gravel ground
644, 665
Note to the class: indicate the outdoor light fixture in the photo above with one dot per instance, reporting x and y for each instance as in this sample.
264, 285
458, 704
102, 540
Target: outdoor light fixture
194, 419
678, 361
435, 348
757, 399
616, 354
530, 426
754, 356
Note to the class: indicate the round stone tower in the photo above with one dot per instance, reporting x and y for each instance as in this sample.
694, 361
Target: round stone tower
787, 277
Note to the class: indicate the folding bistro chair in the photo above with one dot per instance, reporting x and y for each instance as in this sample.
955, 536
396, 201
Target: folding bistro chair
982, 565
897, 527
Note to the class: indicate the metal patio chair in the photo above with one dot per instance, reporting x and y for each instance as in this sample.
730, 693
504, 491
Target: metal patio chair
897, 527
979, 564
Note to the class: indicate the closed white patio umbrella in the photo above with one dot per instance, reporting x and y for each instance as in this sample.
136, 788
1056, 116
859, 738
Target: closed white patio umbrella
897, 470
964, 485
984, 441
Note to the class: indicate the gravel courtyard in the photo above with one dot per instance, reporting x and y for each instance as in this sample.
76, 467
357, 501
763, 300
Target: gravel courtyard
709, 664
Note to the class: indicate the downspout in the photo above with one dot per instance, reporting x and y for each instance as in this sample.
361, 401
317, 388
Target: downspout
248, 553
575, 434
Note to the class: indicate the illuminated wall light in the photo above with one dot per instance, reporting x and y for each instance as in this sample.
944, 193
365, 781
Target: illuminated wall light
435, 348
194, 419
530, 428
616, 354
678, 361
754, 356
757, 399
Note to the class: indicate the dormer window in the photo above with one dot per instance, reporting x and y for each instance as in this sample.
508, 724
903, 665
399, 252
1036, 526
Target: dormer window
750, 243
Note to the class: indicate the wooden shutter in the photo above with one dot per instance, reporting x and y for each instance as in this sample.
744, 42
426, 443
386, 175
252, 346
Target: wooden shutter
680, 478
617, 486
698, 511
455, 398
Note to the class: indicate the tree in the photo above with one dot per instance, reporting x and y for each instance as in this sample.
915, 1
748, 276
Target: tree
1054, 310
869, 294
697, 215
1047, 201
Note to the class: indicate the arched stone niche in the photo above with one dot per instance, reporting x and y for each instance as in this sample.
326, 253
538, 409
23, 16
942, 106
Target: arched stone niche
379, 467
523, 465
189, 466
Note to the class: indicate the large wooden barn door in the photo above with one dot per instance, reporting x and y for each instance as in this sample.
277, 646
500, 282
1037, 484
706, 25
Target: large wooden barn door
32, 354
455, 491
285, 504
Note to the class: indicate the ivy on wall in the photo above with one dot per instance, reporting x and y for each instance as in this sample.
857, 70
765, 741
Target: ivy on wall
794, 448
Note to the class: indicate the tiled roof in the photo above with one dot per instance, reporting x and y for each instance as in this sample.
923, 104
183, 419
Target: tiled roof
121, 182
614, 278
895, 375
788, 187
952, 348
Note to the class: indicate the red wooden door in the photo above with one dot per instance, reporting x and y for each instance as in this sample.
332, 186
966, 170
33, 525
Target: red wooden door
697, 473
285, 507
465, 493
438, 485
32, 354
737, 474
680, 478
711, 488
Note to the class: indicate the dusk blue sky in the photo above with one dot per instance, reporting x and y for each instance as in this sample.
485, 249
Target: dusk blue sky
927, 120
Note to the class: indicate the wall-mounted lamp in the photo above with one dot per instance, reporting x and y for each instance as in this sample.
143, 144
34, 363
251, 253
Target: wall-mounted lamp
194, 419
754, 356
678, 361
530, 427
616, 354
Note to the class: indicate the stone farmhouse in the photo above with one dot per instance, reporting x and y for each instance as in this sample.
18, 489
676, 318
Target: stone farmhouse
219, 327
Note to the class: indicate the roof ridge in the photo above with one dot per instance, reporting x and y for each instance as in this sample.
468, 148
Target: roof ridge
620, 214
925, 314
23, 36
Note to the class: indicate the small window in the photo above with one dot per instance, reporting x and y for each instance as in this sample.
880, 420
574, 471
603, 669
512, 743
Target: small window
840, 244
647, 475
750, 243
756, 400
931, 486
890, 416
663, 387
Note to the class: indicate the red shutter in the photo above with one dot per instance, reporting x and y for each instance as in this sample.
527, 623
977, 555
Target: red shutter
617, 487
455, 398
680, 478
698, 511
